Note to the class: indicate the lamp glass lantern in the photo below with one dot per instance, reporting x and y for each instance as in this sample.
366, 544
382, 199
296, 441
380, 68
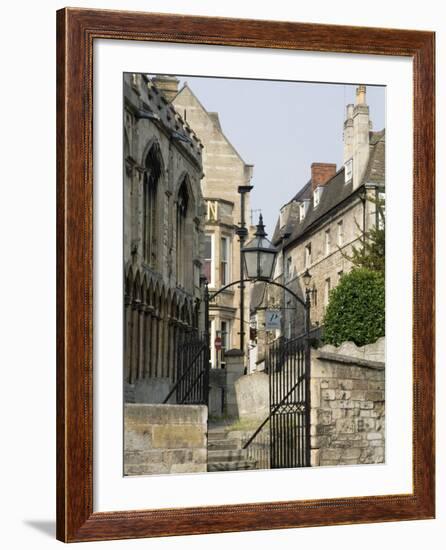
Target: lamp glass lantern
307, 278
259, 255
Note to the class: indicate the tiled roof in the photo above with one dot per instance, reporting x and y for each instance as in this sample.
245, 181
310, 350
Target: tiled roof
376, 167
304, 193
334, 192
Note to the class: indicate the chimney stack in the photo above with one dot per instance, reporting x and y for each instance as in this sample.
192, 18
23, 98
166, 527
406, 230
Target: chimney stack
361, 142
321, 173
167, 85
348, 133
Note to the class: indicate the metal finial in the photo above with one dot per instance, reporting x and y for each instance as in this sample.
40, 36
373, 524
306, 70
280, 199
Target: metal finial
260, 232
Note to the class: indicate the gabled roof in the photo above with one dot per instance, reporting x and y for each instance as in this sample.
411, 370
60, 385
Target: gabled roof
376, 168
335, 191
213, 117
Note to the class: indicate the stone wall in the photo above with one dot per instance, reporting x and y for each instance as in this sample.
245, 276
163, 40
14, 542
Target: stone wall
164, 439
347, 404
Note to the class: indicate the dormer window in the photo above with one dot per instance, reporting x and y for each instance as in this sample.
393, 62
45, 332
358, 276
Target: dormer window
317, 193
283, 218
303, 207
348, 171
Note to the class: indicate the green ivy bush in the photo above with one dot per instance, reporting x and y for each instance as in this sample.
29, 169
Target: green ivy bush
356, 309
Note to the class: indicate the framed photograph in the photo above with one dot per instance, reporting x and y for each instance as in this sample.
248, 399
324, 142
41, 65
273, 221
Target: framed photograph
245, 275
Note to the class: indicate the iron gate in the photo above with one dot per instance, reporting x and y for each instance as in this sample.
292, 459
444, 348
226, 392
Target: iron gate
192, 373
288, 365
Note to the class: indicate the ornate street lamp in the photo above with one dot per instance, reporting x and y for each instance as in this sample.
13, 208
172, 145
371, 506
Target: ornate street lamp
259, 255
259, 258
307, 278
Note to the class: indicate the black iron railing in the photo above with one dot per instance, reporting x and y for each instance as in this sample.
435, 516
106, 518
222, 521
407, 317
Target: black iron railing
192, 369
288, 367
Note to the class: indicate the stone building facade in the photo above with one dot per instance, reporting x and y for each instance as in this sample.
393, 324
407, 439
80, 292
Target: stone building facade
224, 171
318, 227
163, 237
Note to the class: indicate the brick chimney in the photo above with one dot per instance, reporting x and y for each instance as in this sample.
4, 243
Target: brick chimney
167, 85
321, 173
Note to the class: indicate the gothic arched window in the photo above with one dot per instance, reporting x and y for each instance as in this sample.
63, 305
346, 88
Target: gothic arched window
182, 240
152, 177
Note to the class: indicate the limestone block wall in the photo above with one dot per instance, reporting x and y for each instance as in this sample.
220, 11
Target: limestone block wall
348, 404
164, 439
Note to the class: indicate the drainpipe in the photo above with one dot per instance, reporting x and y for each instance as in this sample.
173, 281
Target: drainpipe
242, 233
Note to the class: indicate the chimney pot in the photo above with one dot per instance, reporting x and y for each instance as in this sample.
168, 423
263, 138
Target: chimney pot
321, 173
360, 95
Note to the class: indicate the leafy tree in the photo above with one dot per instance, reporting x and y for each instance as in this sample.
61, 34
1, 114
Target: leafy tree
372, 253
356, 310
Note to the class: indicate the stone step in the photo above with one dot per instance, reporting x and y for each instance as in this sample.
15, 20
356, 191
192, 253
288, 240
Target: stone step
231, 466
216, 434
225, 456
222, 445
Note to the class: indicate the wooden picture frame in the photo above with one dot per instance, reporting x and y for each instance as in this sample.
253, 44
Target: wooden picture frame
76, 31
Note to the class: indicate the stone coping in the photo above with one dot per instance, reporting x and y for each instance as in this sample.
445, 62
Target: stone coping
165, 413
234, 353
349, 360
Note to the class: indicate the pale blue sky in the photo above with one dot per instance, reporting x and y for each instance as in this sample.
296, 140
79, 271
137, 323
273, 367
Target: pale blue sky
281, 128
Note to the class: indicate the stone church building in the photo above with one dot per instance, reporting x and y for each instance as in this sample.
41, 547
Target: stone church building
163, 237
318, 227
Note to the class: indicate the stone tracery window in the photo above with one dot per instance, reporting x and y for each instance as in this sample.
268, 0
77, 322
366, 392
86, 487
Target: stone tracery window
182, 238
152, 177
